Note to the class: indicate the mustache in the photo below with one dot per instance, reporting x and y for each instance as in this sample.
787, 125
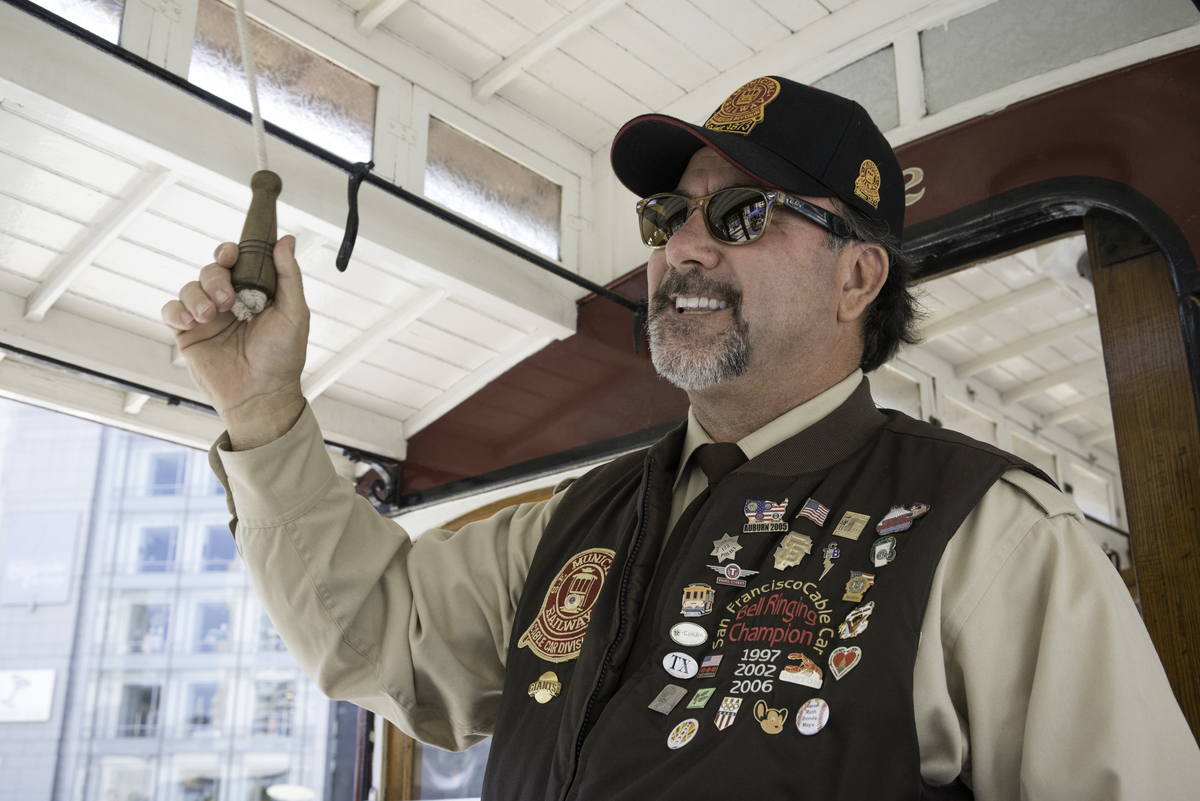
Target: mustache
693, 282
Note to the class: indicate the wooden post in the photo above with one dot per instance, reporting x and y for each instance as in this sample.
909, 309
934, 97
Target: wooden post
397, 778
1158, 441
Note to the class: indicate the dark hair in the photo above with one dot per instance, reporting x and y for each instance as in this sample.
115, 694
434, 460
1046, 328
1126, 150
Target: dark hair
891, 319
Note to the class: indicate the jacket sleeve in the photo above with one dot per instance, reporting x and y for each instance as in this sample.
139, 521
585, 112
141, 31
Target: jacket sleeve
1035, 676
415, 630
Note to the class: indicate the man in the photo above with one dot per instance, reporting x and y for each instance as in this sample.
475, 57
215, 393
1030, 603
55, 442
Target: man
848, 604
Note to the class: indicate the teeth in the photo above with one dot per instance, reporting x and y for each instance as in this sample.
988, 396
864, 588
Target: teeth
700, 303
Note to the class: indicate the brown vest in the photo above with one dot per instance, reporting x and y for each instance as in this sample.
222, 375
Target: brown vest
773, 621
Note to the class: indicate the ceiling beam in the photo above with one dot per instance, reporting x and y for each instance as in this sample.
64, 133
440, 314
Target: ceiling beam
375, 12
980, 310
469, 384
1021, 346
1095, 403
392, 322
910, 76
1052, 380
1098, 436
540, 45
110, 226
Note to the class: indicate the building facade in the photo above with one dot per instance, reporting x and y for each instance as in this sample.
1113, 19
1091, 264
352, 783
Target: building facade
136, 663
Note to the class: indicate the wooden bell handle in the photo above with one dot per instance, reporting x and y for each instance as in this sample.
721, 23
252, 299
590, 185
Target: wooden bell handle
255, 266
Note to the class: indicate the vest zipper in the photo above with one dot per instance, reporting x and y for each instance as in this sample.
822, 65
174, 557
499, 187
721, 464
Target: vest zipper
637, 546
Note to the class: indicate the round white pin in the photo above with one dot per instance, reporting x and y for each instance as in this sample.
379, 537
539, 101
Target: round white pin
680, 665
682, 734
812, 717
689, 634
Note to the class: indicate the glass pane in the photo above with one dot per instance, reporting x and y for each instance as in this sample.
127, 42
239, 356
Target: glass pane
157, 554
148, 628
166, 473
212, 627
203, 709
297, 89
273, 703
967, 421
488, 187
446, 774
101, 17
139, 711
219, 549
268, 636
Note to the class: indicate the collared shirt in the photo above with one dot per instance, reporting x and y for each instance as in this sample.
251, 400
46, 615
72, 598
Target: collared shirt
689, 478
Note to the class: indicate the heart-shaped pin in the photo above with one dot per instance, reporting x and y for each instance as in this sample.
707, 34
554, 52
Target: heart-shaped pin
843, 660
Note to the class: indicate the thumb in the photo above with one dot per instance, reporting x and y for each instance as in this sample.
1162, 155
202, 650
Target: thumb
289, 287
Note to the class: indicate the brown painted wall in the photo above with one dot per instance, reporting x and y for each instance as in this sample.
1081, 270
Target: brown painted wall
1139, 126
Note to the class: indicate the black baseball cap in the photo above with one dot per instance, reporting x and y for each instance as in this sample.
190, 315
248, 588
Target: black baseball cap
784, 135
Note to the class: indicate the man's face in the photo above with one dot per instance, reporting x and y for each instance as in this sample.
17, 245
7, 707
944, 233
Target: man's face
720, 313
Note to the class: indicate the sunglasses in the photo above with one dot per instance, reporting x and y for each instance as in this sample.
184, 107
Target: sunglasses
735, 216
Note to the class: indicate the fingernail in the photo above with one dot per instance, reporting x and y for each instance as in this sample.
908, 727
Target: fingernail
221, 296
186, 318
203, 307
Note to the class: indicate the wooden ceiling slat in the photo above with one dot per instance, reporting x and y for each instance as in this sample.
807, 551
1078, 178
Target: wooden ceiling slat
482, 22
559, 111
591, 90
746, 20
65, 155
656, 47
696, 30
625, 69
35, 184
442, 40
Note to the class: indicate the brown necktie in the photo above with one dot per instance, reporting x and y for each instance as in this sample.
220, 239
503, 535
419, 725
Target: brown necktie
717, 460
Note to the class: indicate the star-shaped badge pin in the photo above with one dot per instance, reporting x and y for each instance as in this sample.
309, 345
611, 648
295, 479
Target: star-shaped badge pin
725, 548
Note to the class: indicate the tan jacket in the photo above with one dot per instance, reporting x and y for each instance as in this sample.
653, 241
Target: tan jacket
1035, 677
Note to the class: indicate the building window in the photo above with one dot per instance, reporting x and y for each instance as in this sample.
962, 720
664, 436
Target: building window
268, 636
203, 710
297, 89
101, 17
157, 551
212, 627
138, 716
126, 778
274, 702
219, 549
259, 785
198, 788
484, 185
148, 625
166, 473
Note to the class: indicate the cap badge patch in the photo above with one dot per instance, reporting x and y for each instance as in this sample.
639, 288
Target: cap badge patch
743, 109
867, 184
556, 634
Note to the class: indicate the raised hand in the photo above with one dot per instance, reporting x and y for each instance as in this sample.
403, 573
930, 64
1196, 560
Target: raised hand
250, 371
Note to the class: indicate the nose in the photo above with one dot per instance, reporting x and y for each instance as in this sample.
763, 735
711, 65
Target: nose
692, 246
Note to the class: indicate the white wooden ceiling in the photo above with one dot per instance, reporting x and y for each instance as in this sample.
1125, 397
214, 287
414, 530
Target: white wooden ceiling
1025, 327
117, 186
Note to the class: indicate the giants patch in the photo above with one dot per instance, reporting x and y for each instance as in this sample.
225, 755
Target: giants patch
556, 634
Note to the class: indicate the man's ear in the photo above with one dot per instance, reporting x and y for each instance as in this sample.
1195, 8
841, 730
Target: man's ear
865, 271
